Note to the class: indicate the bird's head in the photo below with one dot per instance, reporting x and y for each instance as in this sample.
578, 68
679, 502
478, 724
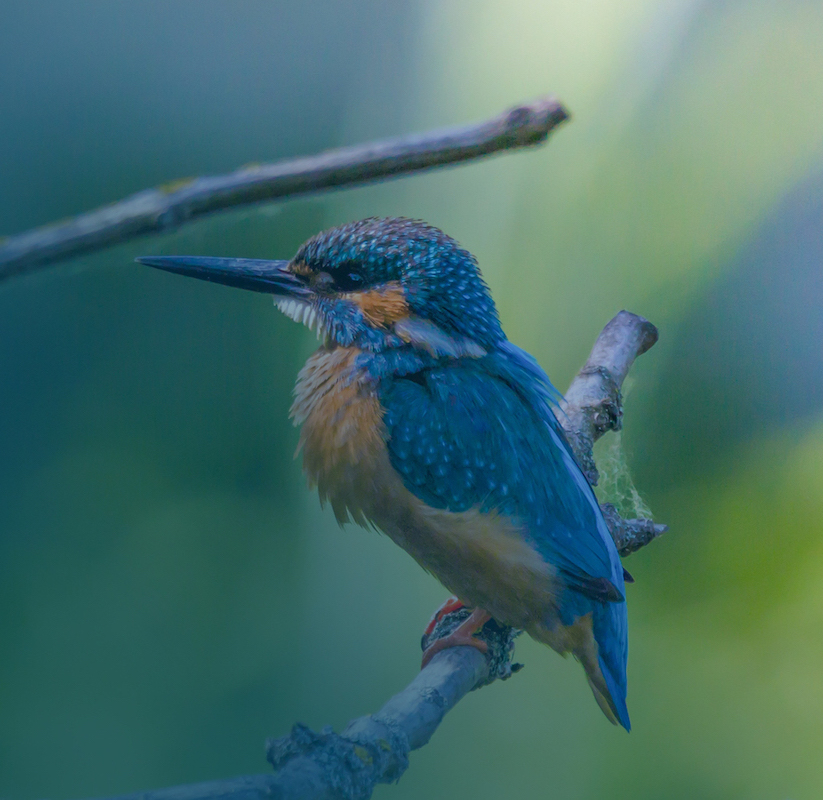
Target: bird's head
373, 284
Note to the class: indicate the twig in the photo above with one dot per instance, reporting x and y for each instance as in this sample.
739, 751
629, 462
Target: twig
375, 749
163, 208
630, 534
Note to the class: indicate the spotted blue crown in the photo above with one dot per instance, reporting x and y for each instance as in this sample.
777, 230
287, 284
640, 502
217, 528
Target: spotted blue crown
441, 280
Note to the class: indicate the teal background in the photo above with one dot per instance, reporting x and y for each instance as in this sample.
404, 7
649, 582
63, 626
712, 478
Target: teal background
171, 593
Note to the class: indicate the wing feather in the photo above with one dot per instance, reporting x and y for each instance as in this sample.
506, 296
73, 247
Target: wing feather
480, 433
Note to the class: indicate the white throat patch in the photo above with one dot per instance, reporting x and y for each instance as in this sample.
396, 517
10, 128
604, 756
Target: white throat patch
302, 312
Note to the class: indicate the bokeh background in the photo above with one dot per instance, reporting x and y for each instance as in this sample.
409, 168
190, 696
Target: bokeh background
171, 593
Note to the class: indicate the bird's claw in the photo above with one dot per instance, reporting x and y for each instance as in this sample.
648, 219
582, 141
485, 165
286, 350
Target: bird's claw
462, 635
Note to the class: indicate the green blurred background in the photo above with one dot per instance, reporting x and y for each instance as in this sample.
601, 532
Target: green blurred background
171, 593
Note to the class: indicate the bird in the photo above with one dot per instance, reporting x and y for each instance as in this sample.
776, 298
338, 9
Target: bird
420, 418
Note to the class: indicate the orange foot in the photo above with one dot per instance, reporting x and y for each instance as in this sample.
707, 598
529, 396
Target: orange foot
463, 634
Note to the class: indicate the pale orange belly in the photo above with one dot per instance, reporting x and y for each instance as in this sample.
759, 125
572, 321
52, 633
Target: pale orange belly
480, 557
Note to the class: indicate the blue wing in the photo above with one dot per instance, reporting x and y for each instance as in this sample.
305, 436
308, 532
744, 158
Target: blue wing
480, 433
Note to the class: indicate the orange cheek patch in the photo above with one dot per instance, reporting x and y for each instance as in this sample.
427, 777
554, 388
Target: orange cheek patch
384, 306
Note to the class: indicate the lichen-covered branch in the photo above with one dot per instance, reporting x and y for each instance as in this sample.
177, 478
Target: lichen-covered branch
370, 750
630, 534
593, 405
164, 208
375, 749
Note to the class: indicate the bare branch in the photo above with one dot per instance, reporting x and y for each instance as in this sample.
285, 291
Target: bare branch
164, 208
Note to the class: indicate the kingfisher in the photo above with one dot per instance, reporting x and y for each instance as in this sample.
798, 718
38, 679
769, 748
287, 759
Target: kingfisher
420, 418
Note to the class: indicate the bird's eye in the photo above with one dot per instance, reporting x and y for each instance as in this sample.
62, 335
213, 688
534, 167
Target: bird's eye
348, 281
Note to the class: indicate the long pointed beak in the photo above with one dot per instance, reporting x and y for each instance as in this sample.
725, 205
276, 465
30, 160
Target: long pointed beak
254, 274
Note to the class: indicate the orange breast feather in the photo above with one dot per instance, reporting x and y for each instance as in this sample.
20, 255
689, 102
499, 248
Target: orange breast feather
343, 436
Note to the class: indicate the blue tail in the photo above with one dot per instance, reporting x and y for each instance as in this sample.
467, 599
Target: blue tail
611, 632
